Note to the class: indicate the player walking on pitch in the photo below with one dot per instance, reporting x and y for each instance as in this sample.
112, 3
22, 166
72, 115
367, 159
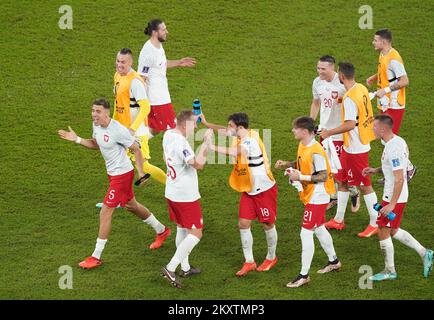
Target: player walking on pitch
357, 122
312, 169
132, 108
152, 67
327, 93
252, 177
395, 195
392, 79
182, 193
112, 139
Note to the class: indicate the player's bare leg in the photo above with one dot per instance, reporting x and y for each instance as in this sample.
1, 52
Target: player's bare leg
247, 245
271, 258
370, 199
143, 213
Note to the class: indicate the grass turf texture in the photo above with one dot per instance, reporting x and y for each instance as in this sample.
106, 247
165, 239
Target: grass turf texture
259, 58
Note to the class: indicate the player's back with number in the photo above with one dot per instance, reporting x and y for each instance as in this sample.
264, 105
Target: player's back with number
182, 183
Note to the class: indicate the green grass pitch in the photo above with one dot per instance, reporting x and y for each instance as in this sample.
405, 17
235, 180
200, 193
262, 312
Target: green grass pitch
257, 57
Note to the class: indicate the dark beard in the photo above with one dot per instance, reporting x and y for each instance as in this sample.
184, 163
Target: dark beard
161, 40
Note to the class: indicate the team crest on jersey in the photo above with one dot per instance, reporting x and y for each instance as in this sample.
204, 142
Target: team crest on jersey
106, 138
334, 94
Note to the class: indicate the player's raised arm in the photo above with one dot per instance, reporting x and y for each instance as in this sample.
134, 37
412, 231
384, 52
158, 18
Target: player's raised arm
72, 136
217, 128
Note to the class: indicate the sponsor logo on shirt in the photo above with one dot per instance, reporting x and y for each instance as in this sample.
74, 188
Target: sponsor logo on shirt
186, 153
145, 69
395, 163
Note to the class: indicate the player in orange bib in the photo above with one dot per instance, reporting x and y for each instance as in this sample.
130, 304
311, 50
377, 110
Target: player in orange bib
132, 108
312, 169
252, 177
357, 129
392, 81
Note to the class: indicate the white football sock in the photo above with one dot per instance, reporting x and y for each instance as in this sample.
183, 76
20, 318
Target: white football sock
388, 253
155, 224
307, 250
370, 200
99, 247
326, 241
182, 251
407, 239
342, 205
247, 244
271, 236
181, 233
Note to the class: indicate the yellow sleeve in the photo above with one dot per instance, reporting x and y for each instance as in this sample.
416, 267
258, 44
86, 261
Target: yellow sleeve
145, 108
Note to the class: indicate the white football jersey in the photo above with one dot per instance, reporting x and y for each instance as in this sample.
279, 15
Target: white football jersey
113, 142
182, 184
395, 157
329, 92
261, 181
153, 64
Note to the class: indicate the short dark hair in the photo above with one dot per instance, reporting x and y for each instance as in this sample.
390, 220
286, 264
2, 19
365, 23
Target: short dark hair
183, 116
384, 34
304, 123
386, 119
327, 58
126, 51
347, 69
152, 26
240, 119
102, 102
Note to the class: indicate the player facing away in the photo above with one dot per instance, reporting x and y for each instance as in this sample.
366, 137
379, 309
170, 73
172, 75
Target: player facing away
132, 108
395, 195
312, 169
392, 79
357, 122
112, 139
182, 193
252, 177
327, 93
152, 67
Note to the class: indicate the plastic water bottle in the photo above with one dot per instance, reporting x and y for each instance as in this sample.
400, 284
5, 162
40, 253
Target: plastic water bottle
390, 216
197, 109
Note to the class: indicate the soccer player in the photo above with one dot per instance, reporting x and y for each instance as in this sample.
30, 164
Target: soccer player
252, 177
112, 139
327, 93
182, 193
392, 79
132, 108
152, 67
395, 195
312, 169
356, 127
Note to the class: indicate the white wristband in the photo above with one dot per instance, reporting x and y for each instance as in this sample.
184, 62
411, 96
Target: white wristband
387, 90
305, 177
78, 140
